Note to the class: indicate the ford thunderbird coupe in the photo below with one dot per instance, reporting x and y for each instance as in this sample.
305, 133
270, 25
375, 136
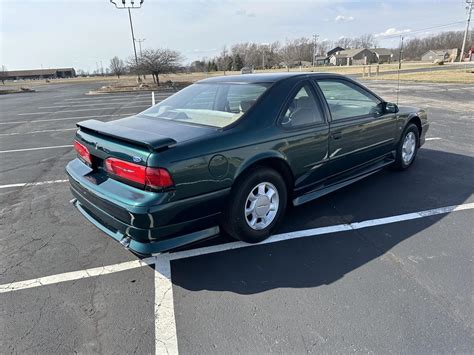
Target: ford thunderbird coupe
231, 153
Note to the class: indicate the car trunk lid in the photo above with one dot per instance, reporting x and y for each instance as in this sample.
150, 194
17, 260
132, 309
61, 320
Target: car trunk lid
133, 139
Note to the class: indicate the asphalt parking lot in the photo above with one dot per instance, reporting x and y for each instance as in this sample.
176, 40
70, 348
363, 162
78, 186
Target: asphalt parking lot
384, 265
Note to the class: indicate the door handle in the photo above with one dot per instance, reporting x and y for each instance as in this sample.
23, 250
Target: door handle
336, 135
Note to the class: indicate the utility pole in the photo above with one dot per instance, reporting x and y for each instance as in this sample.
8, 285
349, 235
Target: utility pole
400, 54
131, 4
315, 38
469, 12
140, 44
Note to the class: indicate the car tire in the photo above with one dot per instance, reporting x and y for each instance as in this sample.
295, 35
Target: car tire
257, 204
407, 148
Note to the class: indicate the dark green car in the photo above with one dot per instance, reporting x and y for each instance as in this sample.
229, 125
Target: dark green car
232, 152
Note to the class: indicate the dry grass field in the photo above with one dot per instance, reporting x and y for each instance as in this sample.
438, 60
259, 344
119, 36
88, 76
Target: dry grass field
443, 76
460, 76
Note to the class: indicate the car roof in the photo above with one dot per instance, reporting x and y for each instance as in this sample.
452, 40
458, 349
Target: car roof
263, 77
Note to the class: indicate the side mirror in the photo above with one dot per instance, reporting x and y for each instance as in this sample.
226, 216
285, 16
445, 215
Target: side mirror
390, 107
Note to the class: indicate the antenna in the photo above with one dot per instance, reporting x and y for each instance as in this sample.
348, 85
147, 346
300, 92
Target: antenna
399, 67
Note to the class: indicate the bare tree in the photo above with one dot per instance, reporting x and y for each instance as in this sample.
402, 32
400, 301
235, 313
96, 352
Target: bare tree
416, 47
367, 41
323, 47
159, 61
117, 66
224, 61
290, 53
344, 42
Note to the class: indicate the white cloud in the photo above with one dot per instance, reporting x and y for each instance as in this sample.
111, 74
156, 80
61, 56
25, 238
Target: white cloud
242, 12
342, 18
392, 32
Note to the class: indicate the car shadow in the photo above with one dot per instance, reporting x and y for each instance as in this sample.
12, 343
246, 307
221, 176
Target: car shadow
437, 179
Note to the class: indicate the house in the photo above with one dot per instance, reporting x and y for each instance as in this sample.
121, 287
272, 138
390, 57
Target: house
321, 60
334, 51
324, 59
436, 55
39, 74
383, 55
358, 56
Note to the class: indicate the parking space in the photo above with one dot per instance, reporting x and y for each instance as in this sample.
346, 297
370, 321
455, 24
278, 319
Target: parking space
399, 281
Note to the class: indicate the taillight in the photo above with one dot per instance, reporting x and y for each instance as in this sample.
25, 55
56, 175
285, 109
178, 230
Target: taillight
83, 152
155, 178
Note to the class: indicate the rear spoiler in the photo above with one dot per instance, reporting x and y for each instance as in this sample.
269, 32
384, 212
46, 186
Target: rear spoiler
152, 141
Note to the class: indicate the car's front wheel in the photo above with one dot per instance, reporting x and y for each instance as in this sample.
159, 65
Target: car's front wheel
407, 148
257, 204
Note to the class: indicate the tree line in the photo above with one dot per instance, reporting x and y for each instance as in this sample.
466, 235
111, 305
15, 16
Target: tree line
293, 52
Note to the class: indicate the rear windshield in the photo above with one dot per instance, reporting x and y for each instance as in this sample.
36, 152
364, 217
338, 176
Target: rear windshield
216, 105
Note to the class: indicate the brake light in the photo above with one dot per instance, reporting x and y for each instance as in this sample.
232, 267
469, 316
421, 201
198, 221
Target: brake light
83, 152
156, 178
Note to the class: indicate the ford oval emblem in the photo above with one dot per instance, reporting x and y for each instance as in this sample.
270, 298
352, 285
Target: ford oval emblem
137, 159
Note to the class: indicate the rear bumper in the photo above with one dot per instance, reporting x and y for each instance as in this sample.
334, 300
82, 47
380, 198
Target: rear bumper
146, 229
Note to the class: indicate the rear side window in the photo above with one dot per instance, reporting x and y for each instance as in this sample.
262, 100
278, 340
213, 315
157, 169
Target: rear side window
302, 110
241, 97
210, 104
347, 100
203, 100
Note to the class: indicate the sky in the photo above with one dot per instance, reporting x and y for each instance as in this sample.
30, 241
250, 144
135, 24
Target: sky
86, 34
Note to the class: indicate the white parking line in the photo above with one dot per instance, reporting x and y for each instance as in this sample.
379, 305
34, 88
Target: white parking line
433, 139
70, 118
20, 285
323, 230
22, 184
165, 321
114, 100
166, 341
97, 104
108, 97
42, 131
83, 109
38, 148
76, 275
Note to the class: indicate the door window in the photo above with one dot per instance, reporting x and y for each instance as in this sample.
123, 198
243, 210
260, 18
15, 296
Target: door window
302, 110
347, 100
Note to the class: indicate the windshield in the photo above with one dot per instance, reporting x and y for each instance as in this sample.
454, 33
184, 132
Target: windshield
216, 105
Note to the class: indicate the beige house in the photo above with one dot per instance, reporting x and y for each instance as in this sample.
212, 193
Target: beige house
358, 56
383, 55
436, 55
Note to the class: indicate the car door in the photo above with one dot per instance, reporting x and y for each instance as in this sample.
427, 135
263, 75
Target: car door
305, 131
359, 131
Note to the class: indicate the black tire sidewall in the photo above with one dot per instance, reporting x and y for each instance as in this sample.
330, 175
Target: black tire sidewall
399, 163
235, 223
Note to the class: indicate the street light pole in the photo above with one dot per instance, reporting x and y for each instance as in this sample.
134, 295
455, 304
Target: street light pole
140, 44
123, 5
469, 12
315, 38
133, 40
400, 54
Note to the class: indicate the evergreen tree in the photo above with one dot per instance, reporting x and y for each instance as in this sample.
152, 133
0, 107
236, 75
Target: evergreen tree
238, 63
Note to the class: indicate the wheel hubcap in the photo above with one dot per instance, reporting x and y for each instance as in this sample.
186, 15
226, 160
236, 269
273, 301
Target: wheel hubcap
261, 206
408, 148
